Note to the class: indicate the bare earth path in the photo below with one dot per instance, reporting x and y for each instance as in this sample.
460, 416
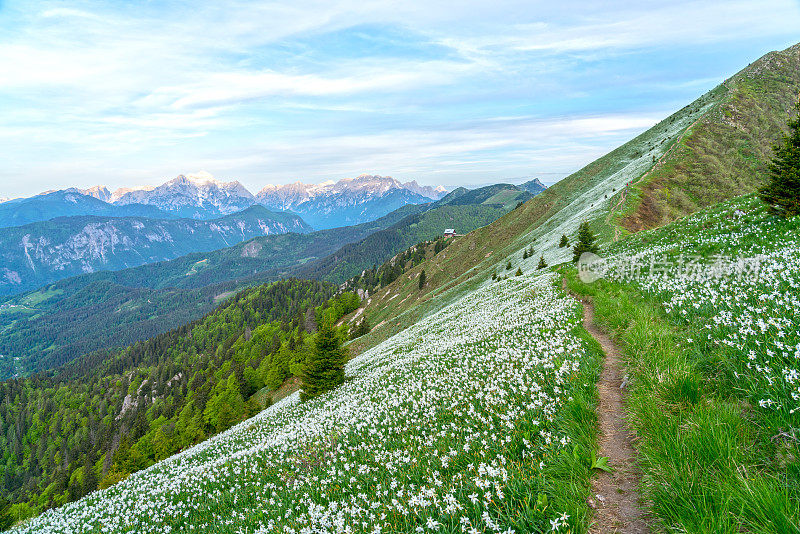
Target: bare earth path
615, 496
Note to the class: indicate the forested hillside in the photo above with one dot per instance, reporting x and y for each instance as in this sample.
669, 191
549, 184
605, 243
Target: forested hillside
110, 413
48, 327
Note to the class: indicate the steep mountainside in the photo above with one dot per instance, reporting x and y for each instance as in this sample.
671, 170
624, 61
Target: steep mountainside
723, 153
44, 252
70, 202
348, 201
604, 192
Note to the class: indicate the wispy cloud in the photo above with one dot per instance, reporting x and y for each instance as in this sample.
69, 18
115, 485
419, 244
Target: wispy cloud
112, 92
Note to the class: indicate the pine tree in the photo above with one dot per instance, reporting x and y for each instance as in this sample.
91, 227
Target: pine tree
422, 279
360, 329
519, 271
525, 255
508, 266
586, 242
324, 368
782, 193
542, 263
564, 241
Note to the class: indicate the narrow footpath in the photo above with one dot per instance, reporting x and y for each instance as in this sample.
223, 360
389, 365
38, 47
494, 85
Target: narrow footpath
615, 496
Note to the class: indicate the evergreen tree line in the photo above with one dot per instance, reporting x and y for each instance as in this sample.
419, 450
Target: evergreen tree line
113, 412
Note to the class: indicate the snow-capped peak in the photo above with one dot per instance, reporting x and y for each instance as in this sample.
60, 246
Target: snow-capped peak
203, 178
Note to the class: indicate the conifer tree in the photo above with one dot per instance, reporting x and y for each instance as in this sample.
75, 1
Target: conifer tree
525, 255
422, 279
542, 263
586, 242
782, 193
508, 266
324, 368
360, 329
519, 271
564, 241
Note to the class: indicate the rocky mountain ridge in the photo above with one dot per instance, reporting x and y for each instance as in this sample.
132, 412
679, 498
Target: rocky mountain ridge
201, 196
43, 252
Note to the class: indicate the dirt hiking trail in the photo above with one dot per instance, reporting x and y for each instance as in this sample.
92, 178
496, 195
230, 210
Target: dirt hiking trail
616, 501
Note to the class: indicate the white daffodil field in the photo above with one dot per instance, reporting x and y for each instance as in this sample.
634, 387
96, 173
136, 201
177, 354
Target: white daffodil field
707, 310
478, 419
733, 273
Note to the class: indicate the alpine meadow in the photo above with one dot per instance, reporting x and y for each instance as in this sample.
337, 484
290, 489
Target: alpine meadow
480, 344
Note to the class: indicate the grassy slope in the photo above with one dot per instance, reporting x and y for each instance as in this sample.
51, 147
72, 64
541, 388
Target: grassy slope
722, 155
708, 504
711, 393
758, 98
478, 416
469, 262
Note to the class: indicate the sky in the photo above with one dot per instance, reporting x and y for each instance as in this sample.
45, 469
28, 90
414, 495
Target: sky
130, 93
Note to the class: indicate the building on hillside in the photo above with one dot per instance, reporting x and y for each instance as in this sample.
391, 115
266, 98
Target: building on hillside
449, 232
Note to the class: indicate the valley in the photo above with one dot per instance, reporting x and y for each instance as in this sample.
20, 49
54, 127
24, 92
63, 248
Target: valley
46, 327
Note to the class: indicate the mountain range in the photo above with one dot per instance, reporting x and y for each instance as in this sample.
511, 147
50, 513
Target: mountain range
66, 203
43, 252
200, 196
348, 201
46, 327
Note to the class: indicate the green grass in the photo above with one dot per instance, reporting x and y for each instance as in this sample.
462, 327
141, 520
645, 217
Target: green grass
36, 298
713, 460
723, 154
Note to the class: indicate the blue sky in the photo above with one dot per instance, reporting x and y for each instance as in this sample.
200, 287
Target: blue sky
128, 93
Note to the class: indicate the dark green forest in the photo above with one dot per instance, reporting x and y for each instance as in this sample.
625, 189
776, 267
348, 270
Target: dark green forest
109, 413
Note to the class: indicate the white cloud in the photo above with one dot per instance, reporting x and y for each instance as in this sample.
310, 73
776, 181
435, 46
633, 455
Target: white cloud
122, 90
